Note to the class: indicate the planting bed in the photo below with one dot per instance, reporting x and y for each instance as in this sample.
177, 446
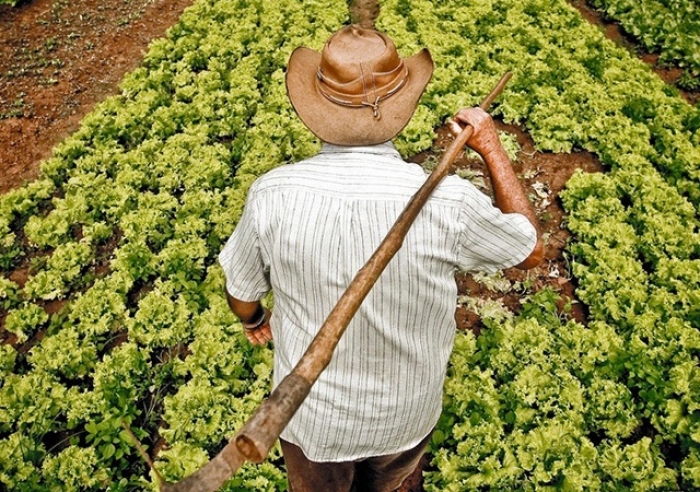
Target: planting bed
57, 59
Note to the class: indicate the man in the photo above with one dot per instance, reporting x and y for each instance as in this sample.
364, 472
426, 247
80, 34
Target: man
308, 227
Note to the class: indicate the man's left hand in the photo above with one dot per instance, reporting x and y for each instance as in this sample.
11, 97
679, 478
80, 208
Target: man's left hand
262, 335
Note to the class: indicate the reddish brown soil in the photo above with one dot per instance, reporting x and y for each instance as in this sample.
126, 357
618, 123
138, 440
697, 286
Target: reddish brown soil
552, 170
58, 58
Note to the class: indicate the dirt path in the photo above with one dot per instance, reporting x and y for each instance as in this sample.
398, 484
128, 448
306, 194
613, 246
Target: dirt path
58, 58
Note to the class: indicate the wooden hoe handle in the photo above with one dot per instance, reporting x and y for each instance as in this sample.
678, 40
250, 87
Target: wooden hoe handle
255, 439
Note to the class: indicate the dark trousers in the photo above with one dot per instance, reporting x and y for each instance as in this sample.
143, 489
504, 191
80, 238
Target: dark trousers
376, 474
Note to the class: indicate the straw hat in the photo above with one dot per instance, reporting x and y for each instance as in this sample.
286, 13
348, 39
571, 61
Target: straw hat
358, 90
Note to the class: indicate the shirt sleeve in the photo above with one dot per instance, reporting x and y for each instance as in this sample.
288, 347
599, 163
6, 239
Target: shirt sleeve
491, 240
247, 277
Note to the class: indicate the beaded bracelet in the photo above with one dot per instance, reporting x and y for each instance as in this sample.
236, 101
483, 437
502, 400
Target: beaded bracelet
257, 324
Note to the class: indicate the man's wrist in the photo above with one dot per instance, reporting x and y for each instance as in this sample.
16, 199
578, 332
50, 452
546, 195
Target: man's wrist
495, 155
257, 320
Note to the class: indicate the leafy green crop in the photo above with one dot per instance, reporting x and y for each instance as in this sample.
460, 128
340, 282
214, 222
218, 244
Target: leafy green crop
668, 27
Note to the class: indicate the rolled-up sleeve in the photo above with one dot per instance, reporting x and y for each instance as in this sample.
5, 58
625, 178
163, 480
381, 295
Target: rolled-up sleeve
247, 277
491, 240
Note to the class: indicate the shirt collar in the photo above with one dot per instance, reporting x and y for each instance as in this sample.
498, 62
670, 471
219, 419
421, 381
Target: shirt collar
386, 148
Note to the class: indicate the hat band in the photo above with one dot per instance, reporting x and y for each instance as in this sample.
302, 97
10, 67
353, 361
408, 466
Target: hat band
370, 98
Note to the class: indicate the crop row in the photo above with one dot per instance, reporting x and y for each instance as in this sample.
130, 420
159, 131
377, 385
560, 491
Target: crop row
123, 227
667, 27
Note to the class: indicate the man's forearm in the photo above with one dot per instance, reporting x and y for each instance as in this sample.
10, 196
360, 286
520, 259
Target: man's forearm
510, 197
509, 194
246, 311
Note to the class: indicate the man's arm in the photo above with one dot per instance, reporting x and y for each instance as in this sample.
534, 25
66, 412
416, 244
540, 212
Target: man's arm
509, 194
255, 319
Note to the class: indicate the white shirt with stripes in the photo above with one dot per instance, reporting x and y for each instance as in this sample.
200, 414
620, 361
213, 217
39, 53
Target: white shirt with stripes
306, 229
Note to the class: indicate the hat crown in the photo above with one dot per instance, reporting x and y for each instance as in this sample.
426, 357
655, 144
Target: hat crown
360, 67
353, 50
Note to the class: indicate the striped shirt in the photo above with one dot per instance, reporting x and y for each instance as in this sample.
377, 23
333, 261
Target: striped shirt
306, 229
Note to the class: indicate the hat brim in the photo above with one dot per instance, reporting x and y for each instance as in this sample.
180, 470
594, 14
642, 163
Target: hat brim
343, 125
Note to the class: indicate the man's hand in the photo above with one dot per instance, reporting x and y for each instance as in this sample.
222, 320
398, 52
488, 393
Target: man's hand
256, 325
261, 335
484, 140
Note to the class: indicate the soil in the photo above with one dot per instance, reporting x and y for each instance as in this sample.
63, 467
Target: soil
58, 58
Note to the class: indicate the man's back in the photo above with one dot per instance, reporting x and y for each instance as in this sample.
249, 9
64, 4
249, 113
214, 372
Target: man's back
317, 223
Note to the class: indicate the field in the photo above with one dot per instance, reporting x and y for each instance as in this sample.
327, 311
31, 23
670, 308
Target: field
579, 375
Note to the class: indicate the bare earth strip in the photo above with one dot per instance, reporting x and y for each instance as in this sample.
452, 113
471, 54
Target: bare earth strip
58, 59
